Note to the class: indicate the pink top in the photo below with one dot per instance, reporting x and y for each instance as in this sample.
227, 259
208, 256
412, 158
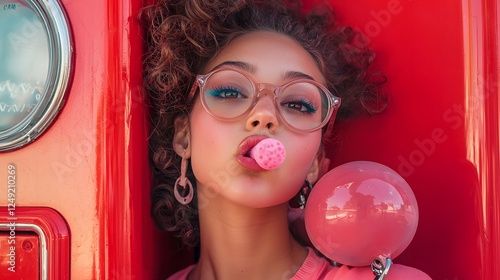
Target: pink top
316, 267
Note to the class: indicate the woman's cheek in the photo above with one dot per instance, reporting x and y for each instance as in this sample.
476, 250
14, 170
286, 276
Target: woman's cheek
302, 151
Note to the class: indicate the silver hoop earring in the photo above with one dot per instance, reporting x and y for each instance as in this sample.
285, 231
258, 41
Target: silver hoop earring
183, 181
304, 192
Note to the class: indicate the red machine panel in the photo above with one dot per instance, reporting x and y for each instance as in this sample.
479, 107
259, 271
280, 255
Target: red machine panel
21, 263
34, 242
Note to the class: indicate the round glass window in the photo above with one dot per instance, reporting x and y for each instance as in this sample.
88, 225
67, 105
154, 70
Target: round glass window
35, 67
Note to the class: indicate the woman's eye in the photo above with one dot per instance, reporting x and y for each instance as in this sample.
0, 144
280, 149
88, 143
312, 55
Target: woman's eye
302, 106
226, 93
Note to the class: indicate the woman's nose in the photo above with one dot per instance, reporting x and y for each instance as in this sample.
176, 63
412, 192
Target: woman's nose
263, 114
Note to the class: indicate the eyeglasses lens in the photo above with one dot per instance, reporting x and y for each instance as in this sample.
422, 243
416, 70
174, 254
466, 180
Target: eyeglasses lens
228, 94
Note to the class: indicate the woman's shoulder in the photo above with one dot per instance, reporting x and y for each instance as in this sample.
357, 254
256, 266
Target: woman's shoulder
318, 268
182, 274
314, 267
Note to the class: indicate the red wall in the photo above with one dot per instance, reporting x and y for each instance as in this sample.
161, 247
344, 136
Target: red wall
441, 129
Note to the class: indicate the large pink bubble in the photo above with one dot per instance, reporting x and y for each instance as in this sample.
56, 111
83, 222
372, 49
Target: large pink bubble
361, 211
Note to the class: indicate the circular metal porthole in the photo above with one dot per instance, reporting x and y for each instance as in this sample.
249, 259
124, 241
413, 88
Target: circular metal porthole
35, 68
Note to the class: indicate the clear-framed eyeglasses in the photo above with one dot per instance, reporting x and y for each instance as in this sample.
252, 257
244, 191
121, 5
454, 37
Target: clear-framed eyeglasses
228, 93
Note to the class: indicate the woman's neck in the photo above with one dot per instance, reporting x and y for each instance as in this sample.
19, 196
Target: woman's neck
246, 243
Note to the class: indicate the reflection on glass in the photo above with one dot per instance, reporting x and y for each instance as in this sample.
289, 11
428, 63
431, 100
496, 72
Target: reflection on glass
24, 62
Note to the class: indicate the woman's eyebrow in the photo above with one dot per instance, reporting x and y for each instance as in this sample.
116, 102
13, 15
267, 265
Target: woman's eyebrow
292, 75
238, 64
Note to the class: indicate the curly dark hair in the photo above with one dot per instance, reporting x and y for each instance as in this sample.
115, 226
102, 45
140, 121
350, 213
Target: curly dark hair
184, 35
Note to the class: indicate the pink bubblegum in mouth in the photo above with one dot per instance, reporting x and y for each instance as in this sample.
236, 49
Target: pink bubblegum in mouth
268, 153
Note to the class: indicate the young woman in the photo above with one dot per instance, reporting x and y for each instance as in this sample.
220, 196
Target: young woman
223, 76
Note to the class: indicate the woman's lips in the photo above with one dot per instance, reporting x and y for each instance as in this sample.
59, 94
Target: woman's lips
259, 153
243, 149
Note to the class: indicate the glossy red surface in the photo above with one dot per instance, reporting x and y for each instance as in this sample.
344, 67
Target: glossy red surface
440, 132
52, 242
27, 258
